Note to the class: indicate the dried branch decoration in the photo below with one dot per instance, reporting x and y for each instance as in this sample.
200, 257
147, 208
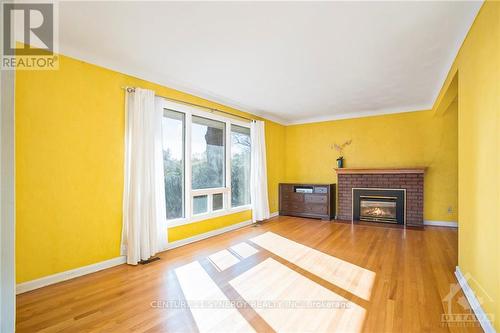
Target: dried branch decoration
340, 147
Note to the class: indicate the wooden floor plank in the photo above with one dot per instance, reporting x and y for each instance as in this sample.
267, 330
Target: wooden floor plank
412, 272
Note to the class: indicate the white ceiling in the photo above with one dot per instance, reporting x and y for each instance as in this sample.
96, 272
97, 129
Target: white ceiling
292, 62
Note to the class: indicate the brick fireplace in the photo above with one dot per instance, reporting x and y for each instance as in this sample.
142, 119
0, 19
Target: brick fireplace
411, 180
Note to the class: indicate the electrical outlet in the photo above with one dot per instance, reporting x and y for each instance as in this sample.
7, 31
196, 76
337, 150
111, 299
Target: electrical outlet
450, 210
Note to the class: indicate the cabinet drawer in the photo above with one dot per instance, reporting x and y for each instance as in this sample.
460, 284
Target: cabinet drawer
316, 209
293, 207
292, 197
310, 198
287, 188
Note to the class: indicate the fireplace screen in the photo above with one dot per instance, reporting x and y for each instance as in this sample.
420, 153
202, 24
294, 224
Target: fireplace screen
380, 209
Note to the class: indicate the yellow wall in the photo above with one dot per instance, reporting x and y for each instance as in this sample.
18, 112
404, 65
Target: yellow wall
400, 140
477, 67
69, 167
191, 229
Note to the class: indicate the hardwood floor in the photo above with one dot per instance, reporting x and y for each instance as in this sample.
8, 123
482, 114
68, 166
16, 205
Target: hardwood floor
267, 278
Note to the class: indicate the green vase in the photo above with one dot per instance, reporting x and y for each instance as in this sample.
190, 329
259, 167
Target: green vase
340, 163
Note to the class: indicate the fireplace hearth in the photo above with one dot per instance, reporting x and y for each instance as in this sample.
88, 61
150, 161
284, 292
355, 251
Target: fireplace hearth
379, 205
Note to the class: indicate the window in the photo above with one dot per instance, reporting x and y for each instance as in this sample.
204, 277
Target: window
217, 201
240, 166
173, 162
207, 153
207, 164
200, 204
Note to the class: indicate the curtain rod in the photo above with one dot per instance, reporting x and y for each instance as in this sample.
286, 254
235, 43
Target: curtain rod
132, 89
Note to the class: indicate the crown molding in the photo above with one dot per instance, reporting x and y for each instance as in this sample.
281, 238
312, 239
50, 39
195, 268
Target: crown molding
167, 83
361, 114
212, 97
449, 70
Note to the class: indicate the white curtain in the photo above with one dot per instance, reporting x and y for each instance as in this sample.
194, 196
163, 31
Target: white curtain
258, 173
144, 219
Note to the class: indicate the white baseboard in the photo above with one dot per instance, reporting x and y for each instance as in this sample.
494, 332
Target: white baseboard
212, 233
451, 224
66, 275
73, 273
209, 234
474, 303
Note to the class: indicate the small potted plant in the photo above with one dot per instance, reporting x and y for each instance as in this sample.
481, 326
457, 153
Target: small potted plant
340, 149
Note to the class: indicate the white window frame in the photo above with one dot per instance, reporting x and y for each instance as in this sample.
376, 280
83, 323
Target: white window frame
189, 193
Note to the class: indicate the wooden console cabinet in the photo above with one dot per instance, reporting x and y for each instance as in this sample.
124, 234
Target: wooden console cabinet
307, 200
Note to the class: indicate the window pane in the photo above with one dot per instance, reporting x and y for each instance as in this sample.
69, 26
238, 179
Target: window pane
240, 166
207, 153
200, 204
173, 162
217, 201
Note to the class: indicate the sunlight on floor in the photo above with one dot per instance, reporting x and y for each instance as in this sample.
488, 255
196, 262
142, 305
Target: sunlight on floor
206, 302
287, 300
244, 250
355, 279
223, 260
290, 302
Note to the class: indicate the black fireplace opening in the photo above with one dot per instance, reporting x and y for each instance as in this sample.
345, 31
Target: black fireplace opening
378, 205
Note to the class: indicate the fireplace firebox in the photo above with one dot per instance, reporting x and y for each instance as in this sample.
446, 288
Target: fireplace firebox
379, 205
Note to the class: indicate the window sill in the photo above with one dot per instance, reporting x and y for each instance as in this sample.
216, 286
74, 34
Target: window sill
206, 216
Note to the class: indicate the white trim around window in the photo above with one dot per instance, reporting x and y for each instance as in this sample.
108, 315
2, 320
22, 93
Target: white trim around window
189, 193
